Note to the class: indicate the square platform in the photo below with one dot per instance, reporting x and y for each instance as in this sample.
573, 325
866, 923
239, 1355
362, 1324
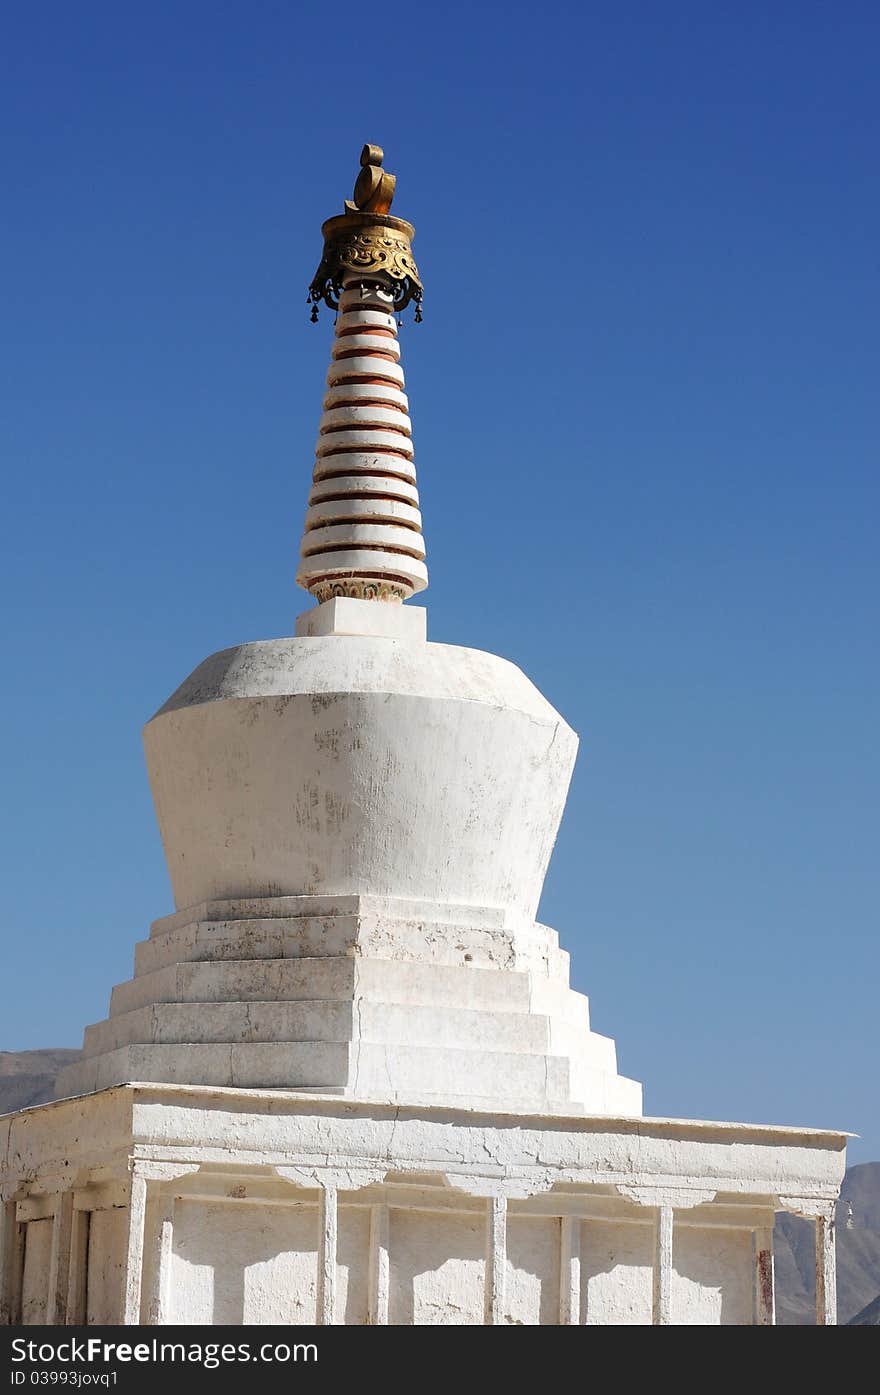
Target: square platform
152, 1204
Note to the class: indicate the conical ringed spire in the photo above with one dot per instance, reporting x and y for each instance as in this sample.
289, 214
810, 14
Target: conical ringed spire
363, 529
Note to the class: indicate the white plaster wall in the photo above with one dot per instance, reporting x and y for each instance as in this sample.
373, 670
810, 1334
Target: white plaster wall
617, 1273
347, 765
437, 1270
266, 1127
711, 1276
533, 1270
35, 1280
267, 1252
352, 1266
358, 1001
241, 1263
154, 1209
107, 1241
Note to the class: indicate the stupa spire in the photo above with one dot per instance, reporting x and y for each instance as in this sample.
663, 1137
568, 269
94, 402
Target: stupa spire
363, 528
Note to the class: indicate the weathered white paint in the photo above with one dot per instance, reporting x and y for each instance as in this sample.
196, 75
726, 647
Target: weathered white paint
345, 615
275, 1128
352, 1307
77, 1304
35, 1277
380, 1272
108, 1250
11, 1259
438, 1266
368, 464
357, 545
826, 1271
365, 366
370, 558
663, 1266
496, 1259
263, 768
363, 508
532, 1295
712, 1276
382, 341
358, 486
570, 1271
423, 1233
765, 1284
243, 1262
134, 1255
59, 1262
354, 320
327, 1242
617, 1272
159, 1306
382, 538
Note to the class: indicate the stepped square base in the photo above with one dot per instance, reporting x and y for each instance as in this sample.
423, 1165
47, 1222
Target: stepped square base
153, 1204
371, 997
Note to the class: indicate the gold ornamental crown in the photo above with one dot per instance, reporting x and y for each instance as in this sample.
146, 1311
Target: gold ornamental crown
366, 238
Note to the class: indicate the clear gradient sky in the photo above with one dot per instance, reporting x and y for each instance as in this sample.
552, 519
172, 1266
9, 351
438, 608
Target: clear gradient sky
645, 401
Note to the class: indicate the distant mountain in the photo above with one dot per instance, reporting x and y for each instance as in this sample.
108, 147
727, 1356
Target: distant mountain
868, 1317
27, 1077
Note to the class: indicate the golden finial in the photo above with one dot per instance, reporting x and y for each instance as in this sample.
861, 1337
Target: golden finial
367, 239
374, 187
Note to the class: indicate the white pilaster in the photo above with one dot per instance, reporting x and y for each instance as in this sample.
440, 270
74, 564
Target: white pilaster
11, 1259
496, 1260
134, 1250
160, 1298
765, 1289
663, 1267
570, 1271
59, 1261
78, 1277
327, 1240
379, 1266
826, 1271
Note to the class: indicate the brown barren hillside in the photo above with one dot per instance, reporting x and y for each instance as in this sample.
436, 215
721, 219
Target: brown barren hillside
27, 1077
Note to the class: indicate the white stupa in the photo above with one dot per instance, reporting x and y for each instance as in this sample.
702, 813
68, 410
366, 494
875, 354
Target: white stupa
349, 1081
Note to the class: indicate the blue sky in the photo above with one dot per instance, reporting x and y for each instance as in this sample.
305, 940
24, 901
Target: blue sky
646, 417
